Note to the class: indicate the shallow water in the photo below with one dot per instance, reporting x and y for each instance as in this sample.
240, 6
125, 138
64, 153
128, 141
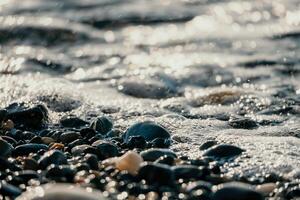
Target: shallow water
191, 65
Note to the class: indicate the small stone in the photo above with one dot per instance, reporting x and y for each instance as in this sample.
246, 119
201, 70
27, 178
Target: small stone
242, 123
29, 118
167, 160
5, 148
155, 153
26, 149
69, 137
105, 149
155, 173
79, 149
72, 122
9, 190
3, 114
130, 162
136, 142
47, 140
149, 130
30, 164
236, 191
187, 172
61, 173
266, 188
8, 125
208, 144
57, 146
52, 157
223, 151
92, 161
102, 125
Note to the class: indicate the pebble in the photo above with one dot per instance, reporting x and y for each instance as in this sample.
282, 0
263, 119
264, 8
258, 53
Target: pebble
223, 151
9, 190
29, 118
52, 157
69, 137
187, 172
136, 142
167, 160
242, 123
3, 115
155, 173
155, 153
208, 144
25, 149
130, 162
72, 122
266, 188
102, 125
5, 148
60, 191
236, 191
79, 149
149, 130
30, 164
105, 149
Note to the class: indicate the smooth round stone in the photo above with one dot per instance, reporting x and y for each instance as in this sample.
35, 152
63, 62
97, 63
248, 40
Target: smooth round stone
102, 125
187, 172
3, 114
136, 142
208, 144
8, 164
223, 151
69, 137
26, 149
9, 190
29, 118
10, 140
149, 130
30, 164
92, 161
242, 123
105, 149
60, 173
60, 191
130, 162
145, 88
155, 173
5, 148
79, 149
155, 153
72, 122
236, 191
55, 157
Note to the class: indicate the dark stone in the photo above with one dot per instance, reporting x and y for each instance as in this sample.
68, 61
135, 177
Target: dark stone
6, 164
26, 149
293, 193
102, 125
3, 115
167, 160
9, 190
223, 151
79, 149
37, 140
69, 137
72, 122
28, 118
154, 154
92, 161
161, 143
136, 142
105, 149
155, 173
30, 164
187, 172
10, 140
200, 185
242, 123
208, 144
148, 130
26, 175
236, 191
5, 148
52, 157
62, 173
87, 133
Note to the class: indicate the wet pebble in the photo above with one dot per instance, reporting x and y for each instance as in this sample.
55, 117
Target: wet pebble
69, 137
5, 148
155, 153
187, 172
26, 149
28, 118
236, 191
105, 149
149, 130
52, 157
102, 125
223, 151
242, 123
155, 173
208, 144
9, 190
72, 122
